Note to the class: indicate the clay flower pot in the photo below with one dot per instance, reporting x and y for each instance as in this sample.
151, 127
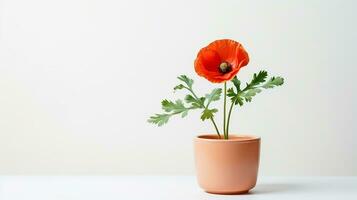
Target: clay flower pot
227, 166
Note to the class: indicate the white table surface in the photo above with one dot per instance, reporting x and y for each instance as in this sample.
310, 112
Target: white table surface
168, 187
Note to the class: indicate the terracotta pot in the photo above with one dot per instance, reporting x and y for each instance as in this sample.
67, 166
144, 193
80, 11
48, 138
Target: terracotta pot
227, 166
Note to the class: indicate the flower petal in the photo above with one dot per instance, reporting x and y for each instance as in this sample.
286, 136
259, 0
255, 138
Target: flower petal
225, 48
210, 59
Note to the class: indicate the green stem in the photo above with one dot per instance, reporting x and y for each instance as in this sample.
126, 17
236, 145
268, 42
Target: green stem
215, 126
229, 117
224, 111
212, 120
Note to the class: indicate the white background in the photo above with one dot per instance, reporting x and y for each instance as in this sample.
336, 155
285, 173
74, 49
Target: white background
78, 80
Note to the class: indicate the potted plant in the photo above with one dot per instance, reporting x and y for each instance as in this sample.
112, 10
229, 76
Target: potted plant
225, 163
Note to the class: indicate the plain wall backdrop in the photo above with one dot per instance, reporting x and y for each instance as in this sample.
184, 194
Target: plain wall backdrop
78, 80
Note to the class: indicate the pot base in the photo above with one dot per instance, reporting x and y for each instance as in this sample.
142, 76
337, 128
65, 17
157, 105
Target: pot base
228, 193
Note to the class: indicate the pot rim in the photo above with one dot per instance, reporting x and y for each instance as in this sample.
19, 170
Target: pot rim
240, 138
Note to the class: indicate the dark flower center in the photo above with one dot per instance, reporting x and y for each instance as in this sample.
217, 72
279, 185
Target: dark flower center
225, 67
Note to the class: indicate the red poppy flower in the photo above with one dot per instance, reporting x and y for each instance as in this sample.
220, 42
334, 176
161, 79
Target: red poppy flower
221, 60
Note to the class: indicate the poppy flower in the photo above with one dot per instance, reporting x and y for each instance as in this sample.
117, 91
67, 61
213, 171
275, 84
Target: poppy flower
221, 60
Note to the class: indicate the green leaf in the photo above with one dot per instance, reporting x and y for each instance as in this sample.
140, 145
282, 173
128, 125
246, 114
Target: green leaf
231, 93
239, 100
258, 78
185, 79
179, 87
202, 100
214, 95
236, 83
250, 93
196, 103
178, 107
254, 87
184, 113
159, 119
190, 99
274, 81
169, 106
208, 113
235, 97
